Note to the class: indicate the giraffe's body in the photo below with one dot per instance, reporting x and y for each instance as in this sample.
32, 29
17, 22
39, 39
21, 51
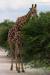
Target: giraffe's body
14, 38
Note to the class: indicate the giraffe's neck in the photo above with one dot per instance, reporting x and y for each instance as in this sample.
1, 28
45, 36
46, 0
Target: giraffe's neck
22, 20
28, 15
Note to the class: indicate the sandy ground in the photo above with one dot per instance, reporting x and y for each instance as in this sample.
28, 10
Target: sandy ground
5, 70
5, 67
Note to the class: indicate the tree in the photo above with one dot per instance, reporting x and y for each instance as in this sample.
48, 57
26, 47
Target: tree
36, 38
4, 28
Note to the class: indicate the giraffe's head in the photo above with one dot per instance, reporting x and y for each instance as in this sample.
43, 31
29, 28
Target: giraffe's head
33, 10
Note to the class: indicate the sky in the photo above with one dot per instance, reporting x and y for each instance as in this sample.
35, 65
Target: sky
12, 9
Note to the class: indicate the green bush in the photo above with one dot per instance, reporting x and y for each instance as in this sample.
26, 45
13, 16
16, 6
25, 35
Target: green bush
4, 28
36, 38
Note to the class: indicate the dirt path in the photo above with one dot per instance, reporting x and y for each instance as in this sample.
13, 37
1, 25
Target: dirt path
5, 67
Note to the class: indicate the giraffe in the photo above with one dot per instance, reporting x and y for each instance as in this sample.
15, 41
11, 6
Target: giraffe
15, 39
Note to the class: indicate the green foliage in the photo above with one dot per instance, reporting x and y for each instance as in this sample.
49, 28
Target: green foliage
36, 38
4, 28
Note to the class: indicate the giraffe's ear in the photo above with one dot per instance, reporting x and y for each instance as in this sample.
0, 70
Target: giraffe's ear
32, 5
35, 5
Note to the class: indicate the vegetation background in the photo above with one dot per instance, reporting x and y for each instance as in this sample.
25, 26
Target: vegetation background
35, 38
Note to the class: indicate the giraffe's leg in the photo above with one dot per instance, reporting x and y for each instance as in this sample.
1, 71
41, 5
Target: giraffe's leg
22, 66
17, 58
11, 48
12, 58
21, 58
16, 64
20, 62
11, 68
